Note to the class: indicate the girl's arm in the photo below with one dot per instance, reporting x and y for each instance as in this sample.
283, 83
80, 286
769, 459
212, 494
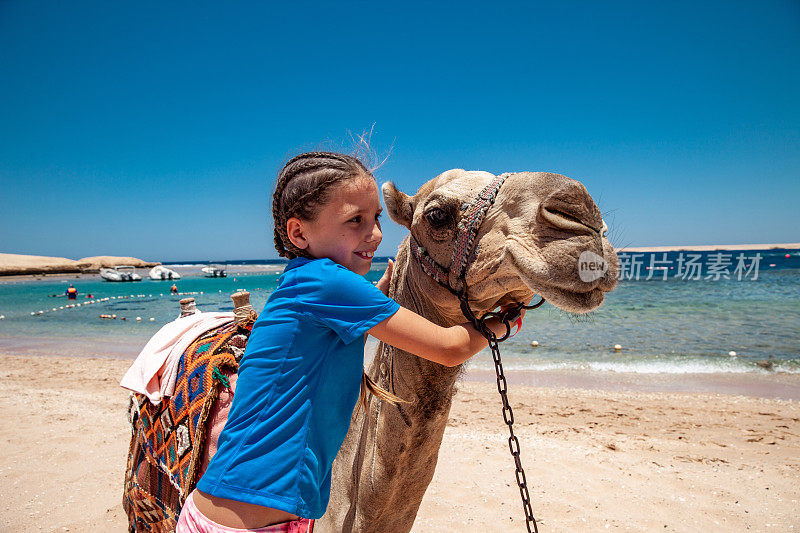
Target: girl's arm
416, 334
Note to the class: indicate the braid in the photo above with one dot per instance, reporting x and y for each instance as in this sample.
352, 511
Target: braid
279, 186
302, 185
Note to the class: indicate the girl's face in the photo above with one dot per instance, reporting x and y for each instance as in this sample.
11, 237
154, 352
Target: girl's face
346, 229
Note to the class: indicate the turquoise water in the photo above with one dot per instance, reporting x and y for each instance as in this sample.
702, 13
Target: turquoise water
665, 327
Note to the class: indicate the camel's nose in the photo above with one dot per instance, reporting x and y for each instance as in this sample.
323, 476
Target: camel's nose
571, 208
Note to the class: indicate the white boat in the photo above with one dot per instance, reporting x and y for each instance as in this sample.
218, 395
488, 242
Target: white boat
161, 272
214, 271
120, 273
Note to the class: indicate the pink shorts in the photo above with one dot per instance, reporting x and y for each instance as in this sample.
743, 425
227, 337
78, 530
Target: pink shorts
193, 521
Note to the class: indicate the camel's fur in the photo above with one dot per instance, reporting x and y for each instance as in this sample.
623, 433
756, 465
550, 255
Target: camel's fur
390, 453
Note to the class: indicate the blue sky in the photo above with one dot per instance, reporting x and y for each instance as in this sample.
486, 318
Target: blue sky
156, 129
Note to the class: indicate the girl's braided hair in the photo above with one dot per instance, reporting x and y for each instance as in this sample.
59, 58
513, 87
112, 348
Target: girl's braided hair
303, 186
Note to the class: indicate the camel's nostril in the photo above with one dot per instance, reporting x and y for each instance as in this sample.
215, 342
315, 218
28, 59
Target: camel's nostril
561, 219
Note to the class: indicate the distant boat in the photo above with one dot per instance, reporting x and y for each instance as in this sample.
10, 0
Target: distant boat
160, 273
120, 273
214, 271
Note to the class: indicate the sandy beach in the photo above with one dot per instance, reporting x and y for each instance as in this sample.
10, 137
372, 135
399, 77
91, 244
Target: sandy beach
595, 459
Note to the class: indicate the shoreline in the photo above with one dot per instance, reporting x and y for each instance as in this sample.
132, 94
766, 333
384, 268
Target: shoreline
766, 385
780, 386
594, 460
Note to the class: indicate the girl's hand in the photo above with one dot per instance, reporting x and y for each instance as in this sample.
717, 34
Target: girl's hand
515, 320
507, 307
383, 283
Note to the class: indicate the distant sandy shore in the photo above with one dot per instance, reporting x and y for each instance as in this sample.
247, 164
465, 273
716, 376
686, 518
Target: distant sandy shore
633, 461
15, 264
710, 247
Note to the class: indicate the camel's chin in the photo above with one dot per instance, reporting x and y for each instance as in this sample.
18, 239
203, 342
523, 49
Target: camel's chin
574, 302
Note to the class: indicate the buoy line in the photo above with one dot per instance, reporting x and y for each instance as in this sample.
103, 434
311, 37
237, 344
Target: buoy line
105, 316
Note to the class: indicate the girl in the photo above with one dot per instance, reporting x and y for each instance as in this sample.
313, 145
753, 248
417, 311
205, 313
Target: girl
302, 371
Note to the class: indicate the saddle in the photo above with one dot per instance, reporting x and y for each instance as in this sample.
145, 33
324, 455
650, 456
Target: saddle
172, 443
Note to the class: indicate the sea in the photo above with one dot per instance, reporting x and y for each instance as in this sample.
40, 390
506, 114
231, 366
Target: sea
731, 324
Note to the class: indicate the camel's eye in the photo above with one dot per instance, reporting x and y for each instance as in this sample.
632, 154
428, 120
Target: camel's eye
436, 217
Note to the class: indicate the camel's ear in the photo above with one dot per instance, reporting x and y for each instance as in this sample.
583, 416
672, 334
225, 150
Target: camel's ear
399, 204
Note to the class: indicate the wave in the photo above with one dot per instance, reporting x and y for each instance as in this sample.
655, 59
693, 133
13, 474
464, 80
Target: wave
646, 367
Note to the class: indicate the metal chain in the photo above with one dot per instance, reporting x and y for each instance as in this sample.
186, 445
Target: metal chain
502, 388
513, 441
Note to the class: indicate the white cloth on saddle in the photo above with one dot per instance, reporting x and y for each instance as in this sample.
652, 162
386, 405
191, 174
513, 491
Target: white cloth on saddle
154, 371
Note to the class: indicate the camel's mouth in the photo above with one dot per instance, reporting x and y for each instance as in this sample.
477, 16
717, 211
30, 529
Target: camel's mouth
571, 294
576, 302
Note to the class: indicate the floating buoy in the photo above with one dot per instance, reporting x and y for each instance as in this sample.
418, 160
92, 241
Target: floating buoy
732, 353
534, 343
54, 309
788, 256
152, 319
114, 317
122, 318
2, 317
617, 347
138, 319
40, 312
32, 313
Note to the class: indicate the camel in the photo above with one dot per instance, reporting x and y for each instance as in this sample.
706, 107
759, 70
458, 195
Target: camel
538, 229
529, 243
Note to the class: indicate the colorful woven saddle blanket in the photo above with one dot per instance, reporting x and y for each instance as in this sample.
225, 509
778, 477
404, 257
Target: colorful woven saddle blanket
169, 448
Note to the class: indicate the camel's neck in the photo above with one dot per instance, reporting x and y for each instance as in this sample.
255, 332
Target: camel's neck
406, 438
414, 290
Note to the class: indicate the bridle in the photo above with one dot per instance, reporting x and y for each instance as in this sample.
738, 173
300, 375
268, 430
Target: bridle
454, 280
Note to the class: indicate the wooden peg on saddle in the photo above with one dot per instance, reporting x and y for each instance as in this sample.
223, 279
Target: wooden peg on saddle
242, 309
188, 307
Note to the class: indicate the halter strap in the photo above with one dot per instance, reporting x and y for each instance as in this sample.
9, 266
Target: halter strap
467, 230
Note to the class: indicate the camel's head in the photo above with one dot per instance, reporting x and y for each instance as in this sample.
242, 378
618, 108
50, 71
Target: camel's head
543, 235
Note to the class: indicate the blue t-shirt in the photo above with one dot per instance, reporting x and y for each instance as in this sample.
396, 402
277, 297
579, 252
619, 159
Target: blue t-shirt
299, 380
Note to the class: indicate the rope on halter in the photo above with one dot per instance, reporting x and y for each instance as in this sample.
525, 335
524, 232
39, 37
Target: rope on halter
469, 225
